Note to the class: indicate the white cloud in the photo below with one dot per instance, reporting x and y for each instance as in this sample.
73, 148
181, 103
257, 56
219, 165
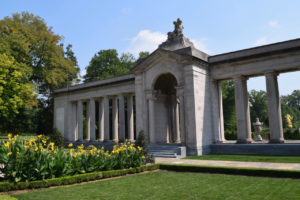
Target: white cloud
200, 44
261, 41
273, 24
147, 40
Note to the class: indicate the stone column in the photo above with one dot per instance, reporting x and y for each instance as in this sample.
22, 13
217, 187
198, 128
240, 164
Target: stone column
177, 122
217, 111
79, 120
101, 120
130, 118
121, 117
115, 113
151, 100
274, 109
242, 110
180, 93
221, 116
92, 134
88, 121
106, 118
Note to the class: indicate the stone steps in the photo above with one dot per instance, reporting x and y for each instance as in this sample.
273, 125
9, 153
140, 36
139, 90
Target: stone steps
168, 151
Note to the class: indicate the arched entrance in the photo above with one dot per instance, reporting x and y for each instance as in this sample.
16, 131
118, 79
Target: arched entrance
166, 112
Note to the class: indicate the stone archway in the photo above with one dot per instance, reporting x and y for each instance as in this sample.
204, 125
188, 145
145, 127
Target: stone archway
165, 109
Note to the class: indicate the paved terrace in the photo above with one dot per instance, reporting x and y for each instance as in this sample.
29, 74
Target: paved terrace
264, 165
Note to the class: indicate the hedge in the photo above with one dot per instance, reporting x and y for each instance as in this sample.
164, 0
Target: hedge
233, 170
8, 186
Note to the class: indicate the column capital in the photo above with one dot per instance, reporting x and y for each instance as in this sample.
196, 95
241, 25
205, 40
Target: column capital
271, 73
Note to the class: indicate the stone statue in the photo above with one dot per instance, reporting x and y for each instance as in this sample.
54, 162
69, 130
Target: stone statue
258, 128
176, 39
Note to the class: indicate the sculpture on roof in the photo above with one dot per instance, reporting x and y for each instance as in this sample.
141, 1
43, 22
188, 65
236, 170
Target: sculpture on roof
176, 39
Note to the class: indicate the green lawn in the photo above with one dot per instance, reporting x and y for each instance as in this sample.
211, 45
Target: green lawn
250, 158
175, 185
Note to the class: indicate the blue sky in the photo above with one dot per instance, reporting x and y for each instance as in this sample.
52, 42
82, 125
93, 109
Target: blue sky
131, 26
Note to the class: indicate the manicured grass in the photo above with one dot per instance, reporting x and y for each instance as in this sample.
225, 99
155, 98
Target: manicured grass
175, 185
249, 158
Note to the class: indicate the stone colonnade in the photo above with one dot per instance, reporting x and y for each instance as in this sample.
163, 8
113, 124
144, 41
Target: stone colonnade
117, 118
179, 133
243, 110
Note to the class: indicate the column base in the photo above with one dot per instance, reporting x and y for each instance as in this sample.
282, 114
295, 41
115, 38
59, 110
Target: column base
177, 142
276, 141
244, 141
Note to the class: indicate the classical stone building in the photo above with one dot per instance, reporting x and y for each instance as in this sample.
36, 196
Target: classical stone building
174, 96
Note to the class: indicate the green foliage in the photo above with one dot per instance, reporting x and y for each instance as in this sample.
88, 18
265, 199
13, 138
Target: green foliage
7, 197
228, 105
37, 159
291, 135
107, 64
57, 137
78, 178
142, 142
143, 54
33, 63
15, 89
258, 106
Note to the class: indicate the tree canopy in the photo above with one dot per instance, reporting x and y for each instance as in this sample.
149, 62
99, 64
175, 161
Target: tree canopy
107, 64
33, 62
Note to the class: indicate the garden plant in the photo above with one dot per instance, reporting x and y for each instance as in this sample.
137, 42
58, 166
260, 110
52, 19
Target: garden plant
37, 158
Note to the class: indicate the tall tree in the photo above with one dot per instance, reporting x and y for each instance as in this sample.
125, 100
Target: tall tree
36, 60
106, 64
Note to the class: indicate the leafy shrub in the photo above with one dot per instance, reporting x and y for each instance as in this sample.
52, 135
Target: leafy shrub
37, 159
8, 186
57, 137
230, 135
142, 142
292, 135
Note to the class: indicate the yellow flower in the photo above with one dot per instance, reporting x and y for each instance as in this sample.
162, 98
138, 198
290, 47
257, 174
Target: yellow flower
143, 157
52, 146
139, 148
26, 147
36, 149
9, 153
116, 140
44, 142
9, 135
98, 151
41, 146
70, 145
7, 144
75, 155
40, 136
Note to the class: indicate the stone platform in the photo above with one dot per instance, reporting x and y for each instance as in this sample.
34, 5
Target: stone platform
262, 148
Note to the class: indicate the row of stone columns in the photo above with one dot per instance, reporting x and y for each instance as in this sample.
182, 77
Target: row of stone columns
118, 118
243, 111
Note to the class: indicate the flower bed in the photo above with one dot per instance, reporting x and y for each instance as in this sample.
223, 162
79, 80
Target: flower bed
38, 159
